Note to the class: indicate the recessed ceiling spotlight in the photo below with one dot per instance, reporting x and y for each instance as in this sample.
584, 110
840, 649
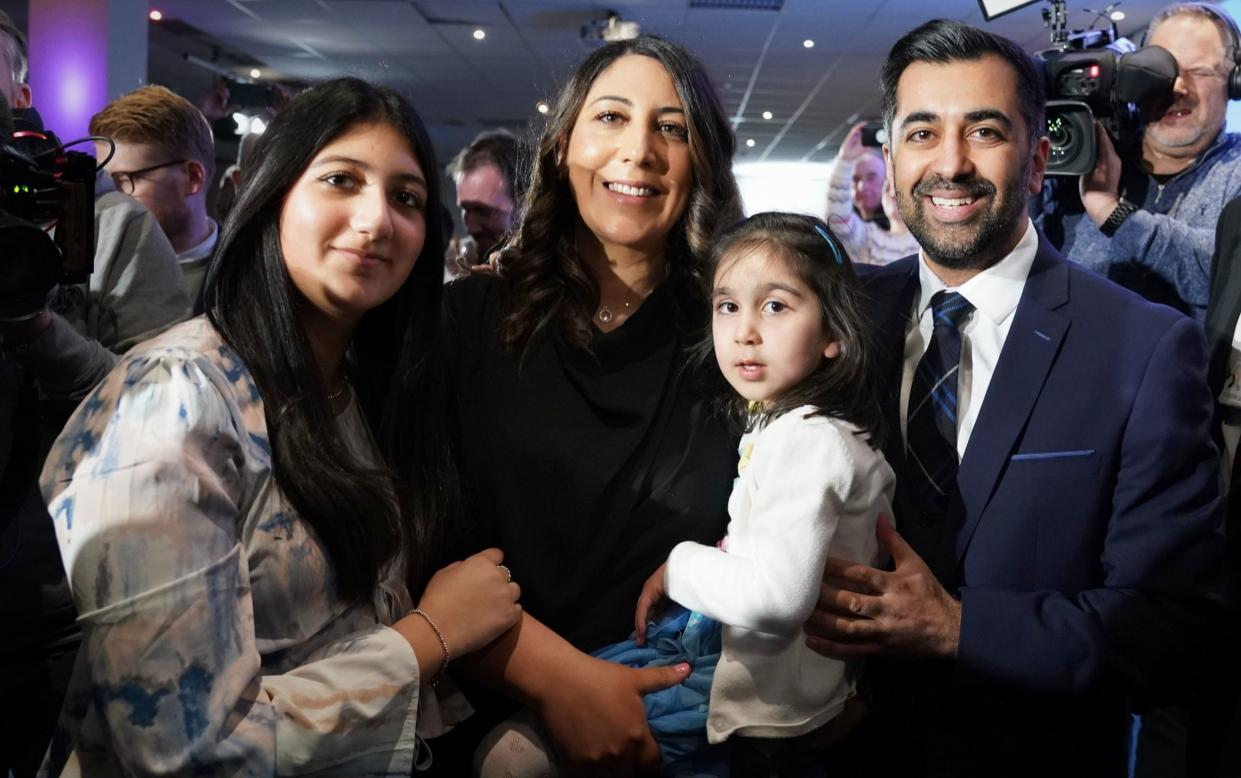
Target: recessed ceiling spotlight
767, 114
543, 107
155, 15
479, 34
808, 43
749, 143
1118, 16
255, 72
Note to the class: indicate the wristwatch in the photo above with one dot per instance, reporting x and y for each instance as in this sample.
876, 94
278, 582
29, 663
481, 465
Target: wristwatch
1117, 217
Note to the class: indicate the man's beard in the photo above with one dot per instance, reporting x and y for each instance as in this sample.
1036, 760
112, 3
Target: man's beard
973, 246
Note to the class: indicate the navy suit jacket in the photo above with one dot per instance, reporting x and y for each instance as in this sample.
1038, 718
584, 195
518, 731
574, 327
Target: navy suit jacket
1083, 538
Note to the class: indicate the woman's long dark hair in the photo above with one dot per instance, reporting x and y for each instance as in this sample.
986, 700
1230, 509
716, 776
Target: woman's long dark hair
845, 387
550, 285
252, 302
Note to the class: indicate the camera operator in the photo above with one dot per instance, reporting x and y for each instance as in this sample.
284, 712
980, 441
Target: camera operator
135, 292
48, 362
1146, 218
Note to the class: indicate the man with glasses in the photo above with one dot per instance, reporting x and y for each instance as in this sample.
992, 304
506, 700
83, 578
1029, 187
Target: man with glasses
164, 159
1145, 217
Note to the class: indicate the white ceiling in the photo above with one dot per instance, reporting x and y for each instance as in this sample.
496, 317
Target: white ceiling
461, 86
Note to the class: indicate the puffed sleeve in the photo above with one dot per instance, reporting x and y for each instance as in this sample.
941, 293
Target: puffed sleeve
147, 488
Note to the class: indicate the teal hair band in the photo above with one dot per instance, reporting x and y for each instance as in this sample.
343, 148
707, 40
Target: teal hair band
826, 236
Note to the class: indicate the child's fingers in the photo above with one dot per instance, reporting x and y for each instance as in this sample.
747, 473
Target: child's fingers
639, 618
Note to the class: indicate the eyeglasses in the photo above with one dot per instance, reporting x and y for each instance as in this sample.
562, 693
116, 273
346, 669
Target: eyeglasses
125, 180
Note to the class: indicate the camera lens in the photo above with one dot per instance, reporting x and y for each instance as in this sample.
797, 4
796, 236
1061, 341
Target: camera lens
1059, 133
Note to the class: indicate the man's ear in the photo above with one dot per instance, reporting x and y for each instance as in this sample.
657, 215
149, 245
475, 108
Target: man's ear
1038, 165
23, 99
197, 175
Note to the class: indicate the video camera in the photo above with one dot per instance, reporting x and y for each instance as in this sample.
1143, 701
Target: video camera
41, 185
1094, 74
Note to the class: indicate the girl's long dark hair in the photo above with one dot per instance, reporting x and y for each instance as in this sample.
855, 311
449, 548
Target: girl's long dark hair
550, 286
846, 387
252, 302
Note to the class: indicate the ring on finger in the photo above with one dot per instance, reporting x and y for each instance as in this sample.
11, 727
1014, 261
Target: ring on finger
508, 574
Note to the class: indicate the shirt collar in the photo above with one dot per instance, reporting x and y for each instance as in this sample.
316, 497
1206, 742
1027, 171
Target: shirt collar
994, 291
202, 250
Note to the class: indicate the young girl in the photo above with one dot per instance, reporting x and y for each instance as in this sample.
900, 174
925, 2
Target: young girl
240, 503
789, 335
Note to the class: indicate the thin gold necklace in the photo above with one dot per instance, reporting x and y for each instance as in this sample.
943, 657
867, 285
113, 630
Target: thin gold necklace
606, 314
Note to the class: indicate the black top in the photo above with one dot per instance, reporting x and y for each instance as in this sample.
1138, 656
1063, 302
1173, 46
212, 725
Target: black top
585, 467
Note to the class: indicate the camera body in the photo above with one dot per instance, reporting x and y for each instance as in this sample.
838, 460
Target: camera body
42, 184
1118, 84
1095, 74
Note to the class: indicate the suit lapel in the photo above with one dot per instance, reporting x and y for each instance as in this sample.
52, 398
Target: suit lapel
891, 294
892, 298
1029, 352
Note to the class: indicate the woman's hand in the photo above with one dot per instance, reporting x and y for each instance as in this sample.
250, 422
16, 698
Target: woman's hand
596, 719
472, 601
654, 591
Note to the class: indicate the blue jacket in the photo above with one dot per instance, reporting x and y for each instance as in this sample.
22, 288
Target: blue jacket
1083, 537
1162, 251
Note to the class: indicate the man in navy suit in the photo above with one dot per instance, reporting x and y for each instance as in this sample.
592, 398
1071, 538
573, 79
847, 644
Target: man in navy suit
1059, 546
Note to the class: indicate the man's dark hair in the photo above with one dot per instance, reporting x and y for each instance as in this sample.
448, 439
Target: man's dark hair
943, 41
502, 150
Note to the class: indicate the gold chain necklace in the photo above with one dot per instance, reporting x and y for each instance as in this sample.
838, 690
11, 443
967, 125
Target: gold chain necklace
606, 313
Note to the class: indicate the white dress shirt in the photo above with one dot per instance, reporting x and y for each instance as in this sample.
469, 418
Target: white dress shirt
994, 293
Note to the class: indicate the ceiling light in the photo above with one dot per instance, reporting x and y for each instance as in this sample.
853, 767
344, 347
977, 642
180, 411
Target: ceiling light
255, 72
766, 114
543, 107
808, 43
479, 34
1117, 16
749, 143
155, 16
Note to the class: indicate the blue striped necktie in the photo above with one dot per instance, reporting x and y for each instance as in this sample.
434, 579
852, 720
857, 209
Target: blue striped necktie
931, 424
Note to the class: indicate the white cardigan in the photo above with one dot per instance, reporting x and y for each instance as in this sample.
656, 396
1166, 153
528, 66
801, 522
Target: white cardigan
809, 488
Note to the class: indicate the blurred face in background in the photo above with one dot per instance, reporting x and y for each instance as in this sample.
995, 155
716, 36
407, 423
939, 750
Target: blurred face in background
868, 178
16, 94
487, 207
161, 181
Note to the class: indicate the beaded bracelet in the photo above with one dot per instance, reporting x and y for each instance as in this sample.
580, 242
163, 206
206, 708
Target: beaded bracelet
443, 644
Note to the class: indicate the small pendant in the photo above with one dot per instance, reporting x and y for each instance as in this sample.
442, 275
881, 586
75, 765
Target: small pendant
604, 314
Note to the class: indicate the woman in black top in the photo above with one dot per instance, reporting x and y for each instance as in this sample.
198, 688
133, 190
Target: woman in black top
586, 437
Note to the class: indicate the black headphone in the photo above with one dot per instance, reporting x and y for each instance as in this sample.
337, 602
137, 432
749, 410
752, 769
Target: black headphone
1234, 43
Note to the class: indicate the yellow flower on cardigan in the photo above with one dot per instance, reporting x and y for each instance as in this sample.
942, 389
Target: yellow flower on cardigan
744, 461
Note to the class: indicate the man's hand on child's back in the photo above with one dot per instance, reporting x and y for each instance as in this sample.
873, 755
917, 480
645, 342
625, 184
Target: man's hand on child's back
863, 611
